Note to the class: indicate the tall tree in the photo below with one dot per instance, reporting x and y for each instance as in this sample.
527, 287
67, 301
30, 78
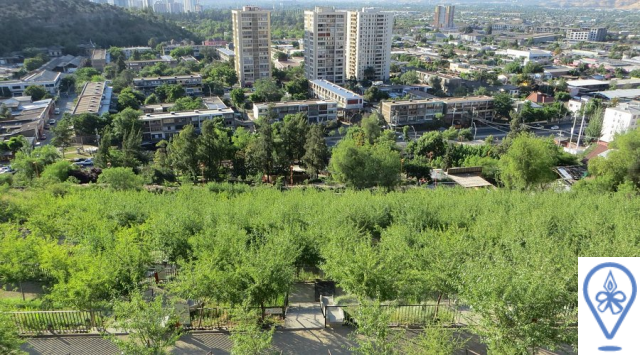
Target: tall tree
183, 150
103, 155
37, 92
260, 152
294, 134
316, 152
528, 162
266, 90
62, 135
237, 98
214, 146
371, 127
503, 104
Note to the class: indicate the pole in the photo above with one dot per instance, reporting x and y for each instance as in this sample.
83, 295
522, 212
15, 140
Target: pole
573, 128
580, 133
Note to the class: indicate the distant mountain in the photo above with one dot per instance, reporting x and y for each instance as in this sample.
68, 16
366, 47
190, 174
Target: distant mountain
610, 4
41, 23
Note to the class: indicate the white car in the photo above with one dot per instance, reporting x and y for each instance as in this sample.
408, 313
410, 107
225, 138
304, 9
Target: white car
555, 127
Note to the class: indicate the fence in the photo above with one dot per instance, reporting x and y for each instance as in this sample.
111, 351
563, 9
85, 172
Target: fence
404, 315
222, 318
58, 322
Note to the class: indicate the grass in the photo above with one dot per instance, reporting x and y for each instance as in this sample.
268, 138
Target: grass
72, 152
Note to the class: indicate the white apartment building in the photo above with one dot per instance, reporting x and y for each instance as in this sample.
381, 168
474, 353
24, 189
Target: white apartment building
620, 119
316, 111
49, 80
164, 125
595, 34
369, 44
252, 44
325, 90
324, 44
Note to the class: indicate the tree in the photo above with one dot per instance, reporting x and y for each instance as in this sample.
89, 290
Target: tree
170, 92
316, 153
10, 340
86, 124
222, 72
17, 258
183, 150
214, 145
120, 179
127, 100
103, 155
260, 152
373, 335
410, 77
294, 134
13, 144
436, 85
248, 337
58, 171
129, 155
36, 62
212, 87
371, 127
187, 104
127, 120
151, 100
528, 162
369, 73
503, 104
365, 166
237, 97
532, 67
563, 96
435, 340
513, 68
29, 163
181, 52
152, 326
5, 112
373, 94
298, 88
62, 135
596, 119
266, 90
36, 92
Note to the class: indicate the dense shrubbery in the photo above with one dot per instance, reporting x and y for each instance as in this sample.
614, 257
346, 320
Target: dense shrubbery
510, 255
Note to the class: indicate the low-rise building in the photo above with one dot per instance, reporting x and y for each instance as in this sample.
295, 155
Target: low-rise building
99, 59
65, 64
226, 54
409, 112
620, 119
535, 55
192, 83
449, 82
164, 125
95, 98
128, 51
316, 111
50, 80
328, 91
137, 65
27, 118
471, 106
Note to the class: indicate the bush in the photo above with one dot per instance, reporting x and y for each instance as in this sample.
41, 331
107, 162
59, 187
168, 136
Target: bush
121, 179
58, 171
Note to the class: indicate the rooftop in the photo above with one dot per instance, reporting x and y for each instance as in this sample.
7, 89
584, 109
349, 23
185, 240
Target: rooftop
195, 76
42, 76
620, 94
296, 103
327, 85
196, 113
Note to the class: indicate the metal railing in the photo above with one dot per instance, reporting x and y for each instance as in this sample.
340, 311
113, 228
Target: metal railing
58, 322
405, 315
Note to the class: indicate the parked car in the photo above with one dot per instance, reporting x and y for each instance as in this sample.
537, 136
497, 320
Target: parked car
52, 121
43, 137
555, 127
84, 162
56, 111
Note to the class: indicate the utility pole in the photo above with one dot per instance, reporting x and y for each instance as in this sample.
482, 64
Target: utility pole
573, 128
580, 133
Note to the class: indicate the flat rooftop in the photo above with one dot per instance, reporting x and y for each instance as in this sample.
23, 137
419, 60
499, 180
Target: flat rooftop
327, 85
620, 94
296, 103
183, 114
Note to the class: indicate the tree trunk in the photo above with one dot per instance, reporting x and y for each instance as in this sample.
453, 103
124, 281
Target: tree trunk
21, 290
435, 315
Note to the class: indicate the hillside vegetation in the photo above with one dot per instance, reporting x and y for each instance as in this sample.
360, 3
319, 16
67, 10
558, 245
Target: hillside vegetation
611, 4
41, 23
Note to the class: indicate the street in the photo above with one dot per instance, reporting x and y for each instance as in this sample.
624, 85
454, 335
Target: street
65, 104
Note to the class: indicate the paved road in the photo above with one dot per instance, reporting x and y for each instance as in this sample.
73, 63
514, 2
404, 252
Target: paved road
65, 104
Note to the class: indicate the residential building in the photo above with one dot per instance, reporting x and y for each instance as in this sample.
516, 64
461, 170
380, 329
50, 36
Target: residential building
252, 44
65, 64
192, 83
138, 65
540, 98
50, 80
594, 34
409, 112
197, 48
325, 41
328, 91
99, 59
164, 125
449, 82
128, 51
535, 55
95, 98
226, 54
458, 108
215, 43
368, 54
27, 118
316, 111
443, 17
620, 119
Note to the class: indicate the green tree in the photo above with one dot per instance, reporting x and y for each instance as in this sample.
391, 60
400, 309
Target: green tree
10, 341
298, 88
294, 135
103, 155
183, 150
58, 171
528, 162
170, 92
187, 104
127, 120
410, 77
62, 135
223, 72
151, 100
5, 112
266, 90
374, 94
596, 119
127, 100
181, 52
503, 104
214, 146
513, 68
13, 144
17, 259
237, 98
248, 337
436, 85
86, 124
152, 326
373, 335
260, 152
371, 127
365, 166
36, 92
120, 179
316, 153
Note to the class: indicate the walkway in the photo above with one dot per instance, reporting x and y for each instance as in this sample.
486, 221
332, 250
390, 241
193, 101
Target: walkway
303, 311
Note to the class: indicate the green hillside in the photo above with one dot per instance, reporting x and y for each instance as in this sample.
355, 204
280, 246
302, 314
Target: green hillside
41, 23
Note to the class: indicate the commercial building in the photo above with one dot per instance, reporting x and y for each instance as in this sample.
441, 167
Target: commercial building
164, 125
620, 119
95, 98
443, 17
594, 34
409, 112
192, 84
368, 54
328, 91
316, 111
252, 44
50, 80
324, 44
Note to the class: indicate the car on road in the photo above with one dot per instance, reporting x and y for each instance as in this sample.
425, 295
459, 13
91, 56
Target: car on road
43, 137
538, 127
555, 127
56, 111
52, 121
83, 162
